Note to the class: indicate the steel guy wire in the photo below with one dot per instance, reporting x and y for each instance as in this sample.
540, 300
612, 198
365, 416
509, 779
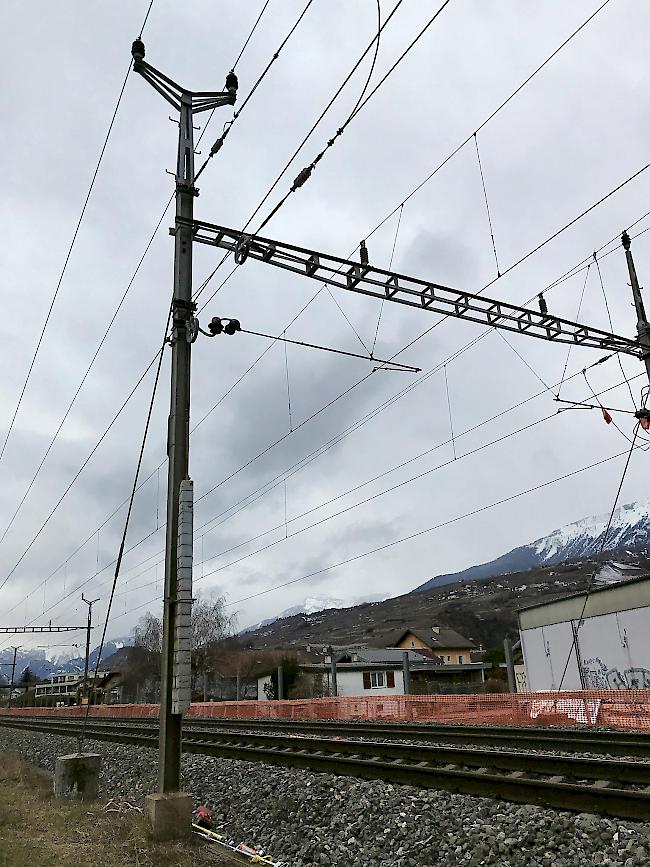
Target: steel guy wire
487, 204
70, 248
390, 267
126, 525
568, 354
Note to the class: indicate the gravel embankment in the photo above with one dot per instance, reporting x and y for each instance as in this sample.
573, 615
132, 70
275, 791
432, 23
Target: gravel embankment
306, 819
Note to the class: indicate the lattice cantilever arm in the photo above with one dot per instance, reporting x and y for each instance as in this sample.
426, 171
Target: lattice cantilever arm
365, 279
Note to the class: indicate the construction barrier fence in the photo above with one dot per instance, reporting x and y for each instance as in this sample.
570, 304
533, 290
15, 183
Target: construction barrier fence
621, 709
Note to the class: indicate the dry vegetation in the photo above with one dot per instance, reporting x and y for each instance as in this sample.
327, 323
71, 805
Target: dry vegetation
38, 831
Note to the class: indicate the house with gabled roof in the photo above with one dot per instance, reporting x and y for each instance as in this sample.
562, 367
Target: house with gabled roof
447, 644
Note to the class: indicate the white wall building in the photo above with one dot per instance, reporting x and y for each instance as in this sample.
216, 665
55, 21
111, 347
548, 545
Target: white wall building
602, 640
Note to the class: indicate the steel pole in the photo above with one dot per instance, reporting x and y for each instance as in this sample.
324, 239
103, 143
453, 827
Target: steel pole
13, 672
280, 683
406, 672
510, 664
334, 686
169, 763
642, 325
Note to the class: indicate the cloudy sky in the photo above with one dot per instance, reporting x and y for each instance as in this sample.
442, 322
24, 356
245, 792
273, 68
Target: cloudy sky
575, 132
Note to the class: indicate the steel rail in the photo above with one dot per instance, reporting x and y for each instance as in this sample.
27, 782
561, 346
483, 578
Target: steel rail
578, 740
608, 786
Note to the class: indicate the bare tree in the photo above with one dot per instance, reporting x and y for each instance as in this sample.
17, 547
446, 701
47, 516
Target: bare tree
211, 625
143, 673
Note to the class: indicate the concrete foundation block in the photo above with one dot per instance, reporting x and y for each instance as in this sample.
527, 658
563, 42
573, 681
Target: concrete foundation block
77, 776
170, 815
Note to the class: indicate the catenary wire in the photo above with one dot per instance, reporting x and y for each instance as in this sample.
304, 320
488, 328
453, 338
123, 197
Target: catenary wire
417, 534
484, 333
346, 493
70, 248
303, 462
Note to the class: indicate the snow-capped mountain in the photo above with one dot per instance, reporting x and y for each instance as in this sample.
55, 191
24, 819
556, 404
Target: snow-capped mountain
313, 604
42, 664
630, 529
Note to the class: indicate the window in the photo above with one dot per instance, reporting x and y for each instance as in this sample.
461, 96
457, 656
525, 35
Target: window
376, 679
460, 659
449, 659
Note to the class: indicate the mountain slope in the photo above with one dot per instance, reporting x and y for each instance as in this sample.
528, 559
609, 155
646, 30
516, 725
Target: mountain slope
630, 529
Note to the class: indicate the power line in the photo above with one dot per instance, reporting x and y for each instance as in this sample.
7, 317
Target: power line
248, 38
491, 116
114, 316
70, 248
216, 147
77, 474
297, 151
415, 535
348, 390
285, 474
598, 557
86, 374
305, 461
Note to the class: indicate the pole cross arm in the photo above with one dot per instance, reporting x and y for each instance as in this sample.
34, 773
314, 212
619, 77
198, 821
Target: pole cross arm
175, 94
365, 279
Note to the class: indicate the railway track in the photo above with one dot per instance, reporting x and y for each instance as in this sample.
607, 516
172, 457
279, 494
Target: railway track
610, 786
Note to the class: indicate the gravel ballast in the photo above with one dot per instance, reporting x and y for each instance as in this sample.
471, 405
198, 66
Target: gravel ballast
303, 818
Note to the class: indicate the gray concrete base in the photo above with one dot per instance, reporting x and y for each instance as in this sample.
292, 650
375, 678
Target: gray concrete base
170, 815
77, 776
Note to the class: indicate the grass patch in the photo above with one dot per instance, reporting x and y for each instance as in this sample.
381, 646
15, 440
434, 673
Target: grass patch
37, 830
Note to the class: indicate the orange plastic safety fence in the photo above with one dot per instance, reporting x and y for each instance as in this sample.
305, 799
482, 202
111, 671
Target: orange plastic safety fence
624, 709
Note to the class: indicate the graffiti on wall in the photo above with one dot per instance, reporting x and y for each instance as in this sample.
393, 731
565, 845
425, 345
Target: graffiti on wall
598, 675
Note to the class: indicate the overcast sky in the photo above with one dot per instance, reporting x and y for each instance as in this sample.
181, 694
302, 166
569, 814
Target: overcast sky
569, 137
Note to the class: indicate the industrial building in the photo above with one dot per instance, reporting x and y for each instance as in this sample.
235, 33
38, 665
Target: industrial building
596, 640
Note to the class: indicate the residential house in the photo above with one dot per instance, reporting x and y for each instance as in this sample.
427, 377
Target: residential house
447, 644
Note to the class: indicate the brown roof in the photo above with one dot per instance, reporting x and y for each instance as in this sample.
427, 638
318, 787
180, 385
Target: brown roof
446, 637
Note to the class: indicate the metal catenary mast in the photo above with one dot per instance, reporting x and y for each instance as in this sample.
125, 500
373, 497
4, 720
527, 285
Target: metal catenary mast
175, 675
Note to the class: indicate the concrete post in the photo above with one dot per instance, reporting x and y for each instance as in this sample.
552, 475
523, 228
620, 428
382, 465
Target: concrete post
77, 776
406, 672
280, 684
238, 692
